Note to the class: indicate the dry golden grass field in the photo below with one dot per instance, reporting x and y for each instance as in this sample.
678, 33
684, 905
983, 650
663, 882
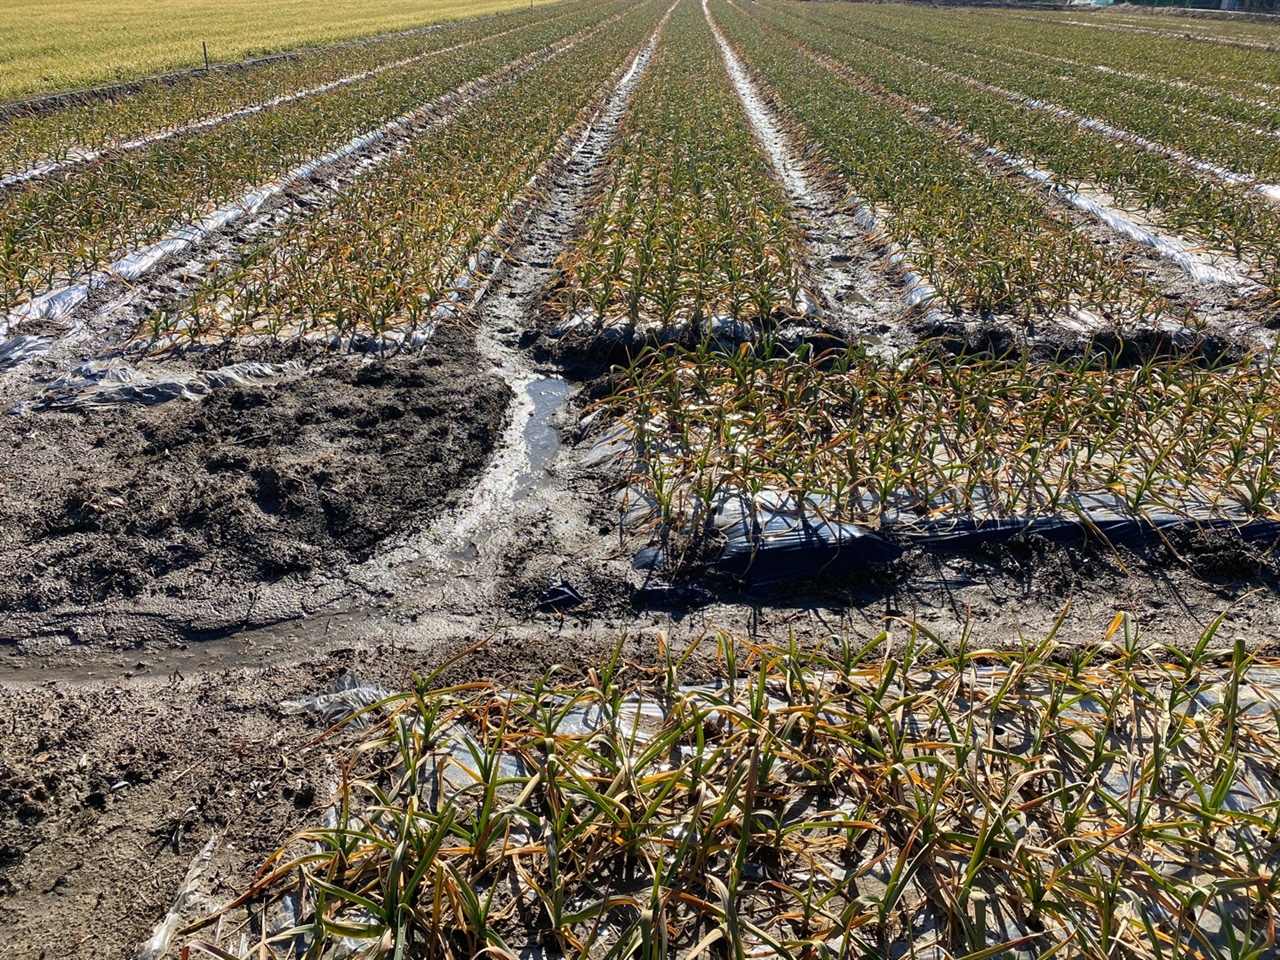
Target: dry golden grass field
52, 45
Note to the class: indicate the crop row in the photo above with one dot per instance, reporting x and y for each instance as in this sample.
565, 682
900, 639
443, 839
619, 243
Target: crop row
1108, 97
81, 128
66, 226
925, 439
985, 245
1249, 109
1264, 36
901, 795
1177, 73
691, 229
384, 256
1182, 103
1218, 216
928, 437
1228, 30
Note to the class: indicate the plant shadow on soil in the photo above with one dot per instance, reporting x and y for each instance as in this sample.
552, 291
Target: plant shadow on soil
1199, 573
1180, 580
244, 508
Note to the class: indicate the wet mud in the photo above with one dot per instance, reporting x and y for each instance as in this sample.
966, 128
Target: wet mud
191, 506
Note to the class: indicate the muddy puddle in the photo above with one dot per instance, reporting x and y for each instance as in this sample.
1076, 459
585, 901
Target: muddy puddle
253, 649
542, 440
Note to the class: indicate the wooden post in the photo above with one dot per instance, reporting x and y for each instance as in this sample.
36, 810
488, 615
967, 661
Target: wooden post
204, 46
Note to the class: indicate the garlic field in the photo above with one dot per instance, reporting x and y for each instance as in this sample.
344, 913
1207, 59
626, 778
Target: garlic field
1043, 284
890, 378
848, 281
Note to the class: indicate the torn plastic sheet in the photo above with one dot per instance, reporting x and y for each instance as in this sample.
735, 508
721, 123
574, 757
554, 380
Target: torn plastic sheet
162, 936
919, 291
22, 348
286, 928
389, 342
346, 697
1115, 529
97, 383
1256, 697
771, 539
638, 719
720, 331
58, 303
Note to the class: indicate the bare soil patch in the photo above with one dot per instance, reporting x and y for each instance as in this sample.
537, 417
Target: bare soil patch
203, 500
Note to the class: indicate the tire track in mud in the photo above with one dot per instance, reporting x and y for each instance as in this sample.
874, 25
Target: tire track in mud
272, 201
830, 224
83, 158
514, 507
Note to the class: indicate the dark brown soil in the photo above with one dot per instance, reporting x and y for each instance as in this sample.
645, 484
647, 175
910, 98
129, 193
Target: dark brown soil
208, 498
106, 795
108, 791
